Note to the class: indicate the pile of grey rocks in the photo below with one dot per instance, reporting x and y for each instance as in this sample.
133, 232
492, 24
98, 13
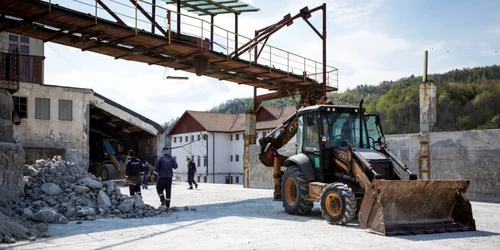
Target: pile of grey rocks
57, 191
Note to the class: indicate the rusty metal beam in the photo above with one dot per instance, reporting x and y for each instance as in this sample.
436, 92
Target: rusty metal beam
117, 18
149, 17
25, 21
69, 32
110, 43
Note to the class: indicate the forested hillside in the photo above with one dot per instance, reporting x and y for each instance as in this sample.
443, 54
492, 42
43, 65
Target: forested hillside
466, 99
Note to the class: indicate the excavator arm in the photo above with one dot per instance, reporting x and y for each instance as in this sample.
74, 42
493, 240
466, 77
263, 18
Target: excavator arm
270, 144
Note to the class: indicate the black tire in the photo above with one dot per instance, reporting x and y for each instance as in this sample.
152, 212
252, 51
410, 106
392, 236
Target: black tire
337, 203
107, 172
294, 189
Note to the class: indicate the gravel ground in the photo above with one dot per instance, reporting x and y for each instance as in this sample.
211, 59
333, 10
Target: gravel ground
231, 217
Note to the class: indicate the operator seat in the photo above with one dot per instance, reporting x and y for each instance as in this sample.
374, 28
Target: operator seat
346, 132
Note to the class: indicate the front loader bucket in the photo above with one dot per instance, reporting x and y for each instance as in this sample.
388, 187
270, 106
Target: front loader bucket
394, 207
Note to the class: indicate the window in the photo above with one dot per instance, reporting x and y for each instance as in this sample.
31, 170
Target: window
205, 179
237, 157
198, 161
198, 137
237, 179
231, 157
19, 44
21, 106
264, 134
42, 108
205, 161
13, 38
237, 136
192, 137
25, 39
199, 177
65, 110
180, 138
231, 137
175, 139
186, 137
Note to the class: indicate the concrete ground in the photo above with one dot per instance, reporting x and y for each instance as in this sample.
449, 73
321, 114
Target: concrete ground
231, 217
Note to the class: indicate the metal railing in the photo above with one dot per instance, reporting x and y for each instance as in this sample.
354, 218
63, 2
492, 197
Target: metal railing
274, 58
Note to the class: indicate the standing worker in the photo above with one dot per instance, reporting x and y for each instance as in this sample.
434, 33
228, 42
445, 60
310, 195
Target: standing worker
133, 174
145, 169
164, 169
191, 172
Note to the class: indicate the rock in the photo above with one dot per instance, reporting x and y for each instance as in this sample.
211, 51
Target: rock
186, 208
9, 240
42, 227
30, 171
139, 203
127, 205
27, 213
89, 182
175, 209
51, 189
193, 209
40, 163
32, 238
68, 178
79, 222
162, 209
117, 211
50, 216
70, 212
84, 211
81, 189
103, 199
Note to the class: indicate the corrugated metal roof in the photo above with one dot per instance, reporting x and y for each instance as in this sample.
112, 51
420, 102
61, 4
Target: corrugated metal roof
213, 7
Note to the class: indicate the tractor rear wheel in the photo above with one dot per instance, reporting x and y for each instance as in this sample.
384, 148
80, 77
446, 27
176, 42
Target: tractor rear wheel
294, 189
107, 172
337, 203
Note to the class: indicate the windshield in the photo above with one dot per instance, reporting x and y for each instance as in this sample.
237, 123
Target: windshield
341, 128
109, 149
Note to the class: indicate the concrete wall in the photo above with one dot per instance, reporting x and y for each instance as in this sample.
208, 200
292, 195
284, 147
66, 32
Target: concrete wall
11, 154
472, 155
70, 136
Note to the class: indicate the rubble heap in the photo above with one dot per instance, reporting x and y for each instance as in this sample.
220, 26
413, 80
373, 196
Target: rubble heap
57, 191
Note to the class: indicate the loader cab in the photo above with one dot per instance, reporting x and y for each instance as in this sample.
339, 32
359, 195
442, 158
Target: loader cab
324, 127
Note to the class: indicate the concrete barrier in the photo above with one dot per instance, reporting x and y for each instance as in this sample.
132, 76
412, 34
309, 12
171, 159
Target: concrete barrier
473, 155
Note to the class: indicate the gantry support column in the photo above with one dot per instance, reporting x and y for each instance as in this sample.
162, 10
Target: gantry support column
249, 139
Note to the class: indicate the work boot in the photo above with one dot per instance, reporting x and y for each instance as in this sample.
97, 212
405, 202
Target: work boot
190, 187
196, 185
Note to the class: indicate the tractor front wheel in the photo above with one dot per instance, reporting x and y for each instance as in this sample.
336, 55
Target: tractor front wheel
337, 203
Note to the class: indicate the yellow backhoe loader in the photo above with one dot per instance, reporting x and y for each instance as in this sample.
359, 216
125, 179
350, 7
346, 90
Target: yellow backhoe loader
343, 162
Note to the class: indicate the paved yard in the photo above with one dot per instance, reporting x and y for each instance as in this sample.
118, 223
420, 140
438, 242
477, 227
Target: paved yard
231, 217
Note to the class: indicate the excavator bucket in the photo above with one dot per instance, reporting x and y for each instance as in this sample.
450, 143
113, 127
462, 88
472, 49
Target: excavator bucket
408, 207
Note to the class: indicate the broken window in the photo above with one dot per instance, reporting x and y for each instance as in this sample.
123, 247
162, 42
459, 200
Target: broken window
21, 106
66, 110
237, 157
42, 108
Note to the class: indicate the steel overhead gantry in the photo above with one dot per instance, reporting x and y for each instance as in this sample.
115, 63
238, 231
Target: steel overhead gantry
105, 31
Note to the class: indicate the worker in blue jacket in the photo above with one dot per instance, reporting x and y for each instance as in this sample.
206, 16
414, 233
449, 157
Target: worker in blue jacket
164, 168
133, 174
191, 173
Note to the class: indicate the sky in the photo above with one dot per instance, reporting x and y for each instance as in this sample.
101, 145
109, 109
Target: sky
368, 41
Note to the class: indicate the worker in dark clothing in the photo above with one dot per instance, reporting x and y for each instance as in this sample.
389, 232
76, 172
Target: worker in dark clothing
145, 169
164, 169
133, 174
191, 172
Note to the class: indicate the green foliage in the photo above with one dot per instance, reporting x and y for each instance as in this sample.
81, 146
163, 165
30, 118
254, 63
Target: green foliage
467, 99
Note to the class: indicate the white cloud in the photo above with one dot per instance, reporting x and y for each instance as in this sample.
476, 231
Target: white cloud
496, 30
